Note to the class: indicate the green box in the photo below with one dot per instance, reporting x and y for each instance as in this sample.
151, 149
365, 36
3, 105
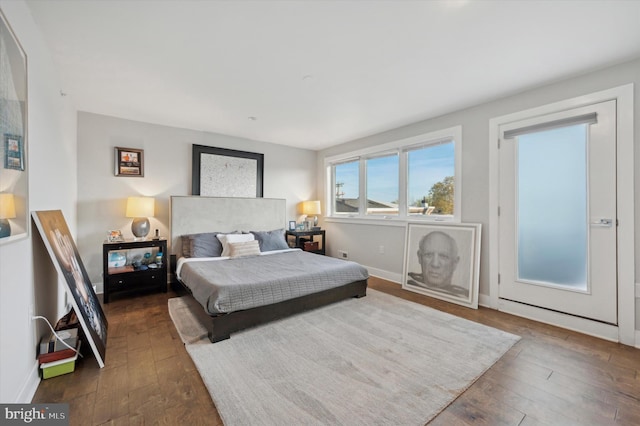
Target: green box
60, 367
58, 370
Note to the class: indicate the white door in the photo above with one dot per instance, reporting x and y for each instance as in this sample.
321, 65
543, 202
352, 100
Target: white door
557, 213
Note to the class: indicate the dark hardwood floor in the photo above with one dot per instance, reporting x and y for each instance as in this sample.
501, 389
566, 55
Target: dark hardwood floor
551, 376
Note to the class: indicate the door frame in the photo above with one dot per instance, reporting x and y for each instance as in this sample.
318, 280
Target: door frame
625, 331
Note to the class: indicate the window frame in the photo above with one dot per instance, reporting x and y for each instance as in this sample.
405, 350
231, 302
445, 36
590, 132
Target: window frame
401, 148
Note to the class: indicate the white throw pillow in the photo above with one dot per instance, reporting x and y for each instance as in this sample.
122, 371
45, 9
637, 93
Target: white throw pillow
225, 239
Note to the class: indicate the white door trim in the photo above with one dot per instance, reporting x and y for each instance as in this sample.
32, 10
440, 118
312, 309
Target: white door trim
625, 205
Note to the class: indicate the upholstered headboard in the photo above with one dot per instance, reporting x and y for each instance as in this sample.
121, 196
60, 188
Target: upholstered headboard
194, 214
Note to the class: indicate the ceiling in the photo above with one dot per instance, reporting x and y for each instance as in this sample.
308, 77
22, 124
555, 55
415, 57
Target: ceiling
313, 74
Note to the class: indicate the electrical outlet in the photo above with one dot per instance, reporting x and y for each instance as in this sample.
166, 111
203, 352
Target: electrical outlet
381, 249
343, 254
31, 311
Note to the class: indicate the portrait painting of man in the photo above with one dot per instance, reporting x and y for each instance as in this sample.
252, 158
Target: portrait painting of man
66, 259
442, 261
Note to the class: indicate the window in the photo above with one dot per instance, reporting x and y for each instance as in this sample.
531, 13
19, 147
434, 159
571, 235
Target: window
430, 180
382, 185
346, 178
414, 178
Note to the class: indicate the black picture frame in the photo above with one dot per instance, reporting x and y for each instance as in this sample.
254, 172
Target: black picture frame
13, 152
221, 172
292, 225
66, 259
129, 162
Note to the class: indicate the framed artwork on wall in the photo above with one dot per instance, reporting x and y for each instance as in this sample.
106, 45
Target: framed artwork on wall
129, 162
66, 259
443, 261
14, 184
13, 152
220, 172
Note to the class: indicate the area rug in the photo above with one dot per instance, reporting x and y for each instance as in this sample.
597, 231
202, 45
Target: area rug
378, 360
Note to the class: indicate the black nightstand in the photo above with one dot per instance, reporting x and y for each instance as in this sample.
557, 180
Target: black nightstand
127, 278
305, 240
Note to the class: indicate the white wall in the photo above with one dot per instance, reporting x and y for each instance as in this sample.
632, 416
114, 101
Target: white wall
289, 173
362, 241
27, 276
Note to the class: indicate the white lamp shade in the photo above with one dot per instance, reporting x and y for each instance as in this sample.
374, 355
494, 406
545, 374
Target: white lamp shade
7, 206
311, 207
140, 207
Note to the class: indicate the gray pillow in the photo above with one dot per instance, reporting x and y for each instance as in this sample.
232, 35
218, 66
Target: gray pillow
271, 240
205, 245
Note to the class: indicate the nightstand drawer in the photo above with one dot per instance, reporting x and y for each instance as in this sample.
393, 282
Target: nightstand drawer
145, 279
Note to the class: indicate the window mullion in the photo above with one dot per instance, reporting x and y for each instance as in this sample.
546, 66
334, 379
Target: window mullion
402, 184
362, 191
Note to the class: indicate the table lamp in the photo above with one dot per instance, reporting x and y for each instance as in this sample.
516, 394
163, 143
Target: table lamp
140, 208
311, 208
7, 211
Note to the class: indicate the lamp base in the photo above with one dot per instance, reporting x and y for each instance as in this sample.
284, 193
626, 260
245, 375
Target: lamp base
140, 227
5, 228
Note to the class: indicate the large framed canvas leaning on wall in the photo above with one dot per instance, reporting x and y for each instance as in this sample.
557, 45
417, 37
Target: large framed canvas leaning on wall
66, 259
443, 261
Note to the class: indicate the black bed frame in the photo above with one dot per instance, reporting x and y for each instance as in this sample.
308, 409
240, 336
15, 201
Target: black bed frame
220, 327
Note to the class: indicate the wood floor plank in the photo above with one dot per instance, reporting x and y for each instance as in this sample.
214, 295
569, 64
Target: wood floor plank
478, 408
550, 377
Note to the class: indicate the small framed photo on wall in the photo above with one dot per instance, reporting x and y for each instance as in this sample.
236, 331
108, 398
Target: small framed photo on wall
129, 162
13, 152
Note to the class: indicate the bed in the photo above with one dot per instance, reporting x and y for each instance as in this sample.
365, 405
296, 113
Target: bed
237, 270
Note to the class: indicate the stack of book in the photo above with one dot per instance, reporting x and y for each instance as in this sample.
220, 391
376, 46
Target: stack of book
55, 357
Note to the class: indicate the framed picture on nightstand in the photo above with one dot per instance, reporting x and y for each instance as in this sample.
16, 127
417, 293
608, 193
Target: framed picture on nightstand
292, 225
114, 236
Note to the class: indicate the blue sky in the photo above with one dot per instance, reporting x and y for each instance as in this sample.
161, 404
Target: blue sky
426, 167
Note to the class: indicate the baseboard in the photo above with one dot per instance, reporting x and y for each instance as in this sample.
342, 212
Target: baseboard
581, 325
26, 394
484, 300
385, 275
637, 314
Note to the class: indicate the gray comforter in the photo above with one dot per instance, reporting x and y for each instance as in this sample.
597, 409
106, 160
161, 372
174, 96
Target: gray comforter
224, 286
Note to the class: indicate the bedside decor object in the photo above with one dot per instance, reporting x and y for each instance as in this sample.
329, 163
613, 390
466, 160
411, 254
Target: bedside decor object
129, 162
114, 236
66, 259
311, 208
117, 259
7, 211
140, 208
292, 225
